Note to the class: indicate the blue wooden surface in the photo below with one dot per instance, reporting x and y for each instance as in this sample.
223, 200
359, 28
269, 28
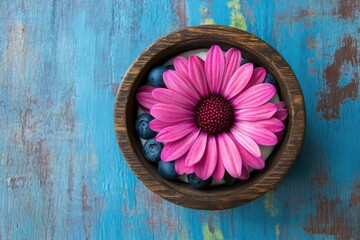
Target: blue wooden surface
62, 175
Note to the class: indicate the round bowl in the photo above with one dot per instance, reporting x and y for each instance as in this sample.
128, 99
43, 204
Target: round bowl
217, 197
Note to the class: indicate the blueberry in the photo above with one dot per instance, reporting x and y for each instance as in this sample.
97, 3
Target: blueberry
170, 67
155, 77
142, 126
245, 60
152, 150
167, 170
270, 79
197, 183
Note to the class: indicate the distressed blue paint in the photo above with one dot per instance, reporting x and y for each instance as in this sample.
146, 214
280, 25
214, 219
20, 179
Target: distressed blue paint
62, 175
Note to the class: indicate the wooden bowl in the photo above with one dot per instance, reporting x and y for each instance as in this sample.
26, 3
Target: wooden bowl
221, 197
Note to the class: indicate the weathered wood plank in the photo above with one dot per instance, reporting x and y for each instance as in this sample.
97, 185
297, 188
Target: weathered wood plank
61, 174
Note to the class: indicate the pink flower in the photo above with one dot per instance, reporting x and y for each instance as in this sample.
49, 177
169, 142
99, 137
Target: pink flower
214, 114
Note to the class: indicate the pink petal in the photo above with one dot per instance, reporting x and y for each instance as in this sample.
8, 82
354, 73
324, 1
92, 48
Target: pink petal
280, 135
168, 96
189, 169
273, 124
247, 157
238, 80
174, 150
229, 155
265, 111
205, 168
232, 62
146, 99
245, 171
255, 96
180, 165
197, 75
181, 168
257, 77
219, 171
260, 135
280, 105
146, 88
281, 114
197, 150
251, 160
157, 125
214, 68
181, 66
247, 142
170, 113
175, 132
180, 84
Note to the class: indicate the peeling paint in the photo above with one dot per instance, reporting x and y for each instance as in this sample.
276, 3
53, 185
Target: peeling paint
335, 95
237, 19
135, 13
114, 88
85, 209
321, 178
157, 208
68, 112
355, 195
156, 199
304, 14
270, 203
15, 50
211, 233
43, 164
329, 219
70, 188
94, 161
17, 182
152, 223
179, 7
348, 9
311, 43
85, 198
43, 170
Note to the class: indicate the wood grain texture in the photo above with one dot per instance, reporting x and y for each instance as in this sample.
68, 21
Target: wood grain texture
62, 175
196, 38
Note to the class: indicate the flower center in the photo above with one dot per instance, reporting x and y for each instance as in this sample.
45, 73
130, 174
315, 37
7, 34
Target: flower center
214, 115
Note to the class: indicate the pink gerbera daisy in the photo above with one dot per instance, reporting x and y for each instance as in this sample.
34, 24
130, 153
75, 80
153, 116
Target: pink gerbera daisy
214, 114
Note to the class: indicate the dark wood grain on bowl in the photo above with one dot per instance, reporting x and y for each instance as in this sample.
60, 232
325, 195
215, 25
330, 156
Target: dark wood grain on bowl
203, 37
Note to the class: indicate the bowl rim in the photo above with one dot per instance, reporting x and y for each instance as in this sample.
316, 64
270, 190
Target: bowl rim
189, 38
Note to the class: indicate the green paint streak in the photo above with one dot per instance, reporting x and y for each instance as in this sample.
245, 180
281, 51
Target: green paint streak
237, 19
208, 235
205, 19
184, 238
3, 159
277, 231
270, 204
